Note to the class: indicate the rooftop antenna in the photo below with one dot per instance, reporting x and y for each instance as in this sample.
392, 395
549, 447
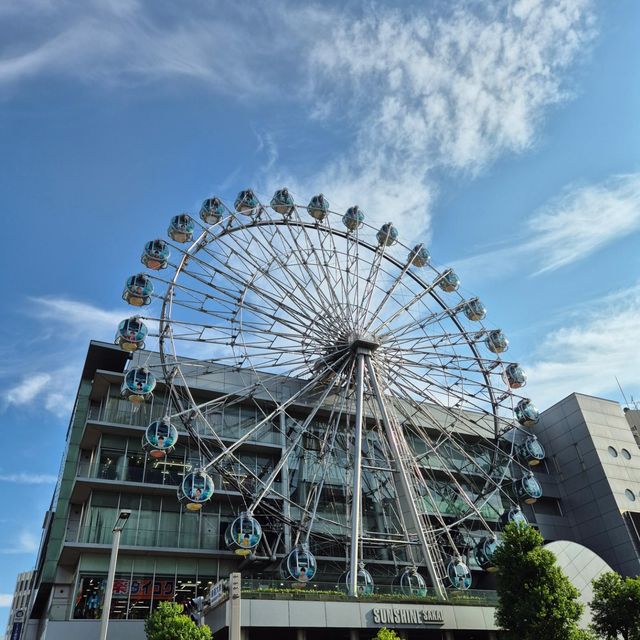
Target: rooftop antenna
621, 391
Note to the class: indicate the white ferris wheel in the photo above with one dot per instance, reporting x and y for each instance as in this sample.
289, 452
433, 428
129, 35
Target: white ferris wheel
403, 442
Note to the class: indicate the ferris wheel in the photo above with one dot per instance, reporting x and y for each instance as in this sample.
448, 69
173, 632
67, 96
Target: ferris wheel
402, 439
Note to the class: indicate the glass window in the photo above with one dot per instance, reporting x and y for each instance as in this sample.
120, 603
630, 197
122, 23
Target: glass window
132, 502
626, 454
613, 452
89, 597
630, 495
169, 523
135, 465
189, 530
111, 464
148, 522
141, 595
120, 596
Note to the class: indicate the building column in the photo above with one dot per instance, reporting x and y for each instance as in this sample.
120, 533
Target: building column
448, 635
354, 634
301, 634
493, 635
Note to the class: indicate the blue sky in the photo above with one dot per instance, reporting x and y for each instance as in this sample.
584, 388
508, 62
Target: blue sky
504, 134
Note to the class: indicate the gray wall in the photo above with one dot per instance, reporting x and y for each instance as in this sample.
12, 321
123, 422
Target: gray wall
577, 433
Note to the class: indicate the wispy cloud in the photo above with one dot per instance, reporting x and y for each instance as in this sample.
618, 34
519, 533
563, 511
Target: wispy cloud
595, 344
46, 383
409, 90
571, 227
417, 93
28, 478
6, 599
26, 542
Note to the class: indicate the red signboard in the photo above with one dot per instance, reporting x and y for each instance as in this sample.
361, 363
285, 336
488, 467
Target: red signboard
144, 589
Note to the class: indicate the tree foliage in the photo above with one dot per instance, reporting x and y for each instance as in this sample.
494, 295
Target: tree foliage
168, 622
536, 599
386, 634
615, 608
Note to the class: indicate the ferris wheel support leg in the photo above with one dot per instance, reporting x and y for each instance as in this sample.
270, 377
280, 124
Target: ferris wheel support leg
406, 484
285, 483
357, 478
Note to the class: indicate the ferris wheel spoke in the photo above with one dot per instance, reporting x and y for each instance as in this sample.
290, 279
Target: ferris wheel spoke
294, 249
302, 430
386, 323
291, 284
331, 264
320, 277
388, 295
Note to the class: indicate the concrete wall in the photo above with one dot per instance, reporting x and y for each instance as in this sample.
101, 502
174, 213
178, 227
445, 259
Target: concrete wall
577, 433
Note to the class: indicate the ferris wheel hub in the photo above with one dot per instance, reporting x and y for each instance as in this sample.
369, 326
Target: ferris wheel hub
364, 343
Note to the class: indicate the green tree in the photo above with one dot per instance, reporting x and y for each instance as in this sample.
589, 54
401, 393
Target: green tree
386, 634
168, 622
536, 599
615, 608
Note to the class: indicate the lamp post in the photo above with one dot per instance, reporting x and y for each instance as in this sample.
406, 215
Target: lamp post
115, 545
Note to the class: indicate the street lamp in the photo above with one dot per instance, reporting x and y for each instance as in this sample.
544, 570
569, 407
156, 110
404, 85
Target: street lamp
106, 607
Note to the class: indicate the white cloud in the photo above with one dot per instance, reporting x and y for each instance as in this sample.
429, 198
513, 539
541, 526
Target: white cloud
411, 91
420, 93
80, 317
29, 478
46, 384
571, 227
6, 599
26, 542
582, 220
597, 344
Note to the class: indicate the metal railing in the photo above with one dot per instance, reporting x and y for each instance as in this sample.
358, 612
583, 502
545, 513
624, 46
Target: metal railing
289, 590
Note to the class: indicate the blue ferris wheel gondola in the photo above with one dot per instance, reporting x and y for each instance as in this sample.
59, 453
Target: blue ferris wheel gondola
419, 256
484, 551
212, 210
474, 310
160, 438
411, 583
531, 451
514, 514
196, 488
155, 255
449, 281
387, 235
353, 219
243, 535
526, 413
514, 376
181, 228
246, 202
529, 489
282, 202
131, 334
459, 575
300, 564
364, 581
318, 207
496, 341
137, 290
138, 385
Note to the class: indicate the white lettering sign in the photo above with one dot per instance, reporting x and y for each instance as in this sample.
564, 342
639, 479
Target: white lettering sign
406, 615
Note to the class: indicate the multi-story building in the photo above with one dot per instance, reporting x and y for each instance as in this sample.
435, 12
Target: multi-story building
590, 478
20, 604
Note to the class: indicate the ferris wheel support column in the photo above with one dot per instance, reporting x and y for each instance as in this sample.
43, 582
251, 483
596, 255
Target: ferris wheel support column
406, 485
285, 482
356, 501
